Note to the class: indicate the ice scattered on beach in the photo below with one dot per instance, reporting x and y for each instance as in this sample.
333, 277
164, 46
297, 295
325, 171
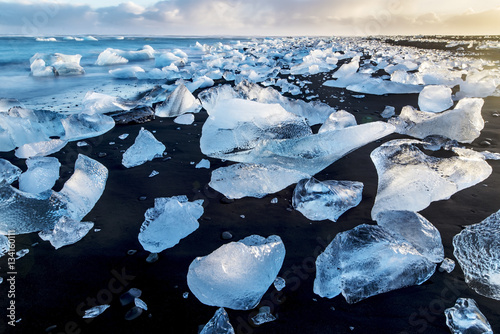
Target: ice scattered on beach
171, 219
237, 274
435, 98
253, 180
116, 56
462, 123
55, 64
95, 311
66, 232
410, 180
368, 260
179, 102
465, 317
145, 148
477, 250
327, 199
219, 324
41, 175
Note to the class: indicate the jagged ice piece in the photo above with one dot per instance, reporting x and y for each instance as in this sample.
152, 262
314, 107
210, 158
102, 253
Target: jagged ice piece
145, 148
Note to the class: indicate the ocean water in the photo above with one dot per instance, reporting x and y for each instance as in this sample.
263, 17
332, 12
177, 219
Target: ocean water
55, 92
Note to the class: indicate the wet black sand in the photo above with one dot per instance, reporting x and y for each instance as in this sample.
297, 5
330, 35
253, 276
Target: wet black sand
53, 287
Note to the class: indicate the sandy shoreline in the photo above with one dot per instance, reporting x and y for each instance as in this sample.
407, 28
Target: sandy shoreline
55, 286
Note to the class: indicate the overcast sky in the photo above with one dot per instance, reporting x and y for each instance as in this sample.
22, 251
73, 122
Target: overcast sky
250, 17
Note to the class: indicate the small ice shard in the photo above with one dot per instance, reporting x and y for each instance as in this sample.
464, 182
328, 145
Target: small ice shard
338, 120
184, 119
263, 316
368, 260
326, 200
171, 219
140, 303
237, 274
204, 163
4, 245
274, 200
415, 229
411, 180
447, 265
21, 253
130, 296
40, 149
219, 324
154, 173
8, 172
253, 180
134, 313
185, 295
123, 136
82, 144
179, 102
152, 258
95, 311
66, 232
435, 98
26, 213
388, 112
145, 148
279, 283
41, 175
477, 250
463, 123
465, 317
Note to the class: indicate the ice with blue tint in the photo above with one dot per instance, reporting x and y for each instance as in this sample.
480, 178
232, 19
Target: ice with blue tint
320, 200
4, 245
8, 172
179, 102
253, 180
369, 260
116, 56
477, 250
236, 275
463, 123
465, 317
66, 232
170, 220
55, 64
25, 213
184, 119
40, 149
435, 98
408, 179
219, 324
41, 175
145, 148
338, 120
129, 72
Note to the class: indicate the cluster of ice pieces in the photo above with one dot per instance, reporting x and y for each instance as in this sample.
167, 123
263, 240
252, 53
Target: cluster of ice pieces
373, 259
237, 274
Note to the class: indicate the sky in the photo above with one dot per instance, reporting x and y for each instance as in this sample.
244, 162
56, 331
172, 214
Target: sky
250, 17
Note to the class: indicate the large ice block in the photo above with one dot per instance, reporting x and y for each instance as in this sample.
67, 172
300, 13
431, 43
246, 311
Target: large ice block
408, 179
327, 199
8, 172
253, 180
465, 317
145, 148
179, 102
40, 149
462, 123
81, 126
237, 274
435, 98
219, 324
42, 64
366, 261
171, 219
41, 175
477, 249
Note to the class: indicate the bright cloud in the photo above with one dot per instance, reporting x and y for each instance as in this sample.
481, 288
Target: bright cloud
256, 17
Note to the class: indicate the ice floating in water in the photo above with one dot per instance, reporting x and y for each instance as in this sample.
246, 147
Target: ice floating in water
185, 119
41, 175
66, 232
116, 56
411, 180
40, 149
338, 120
145, 148
477, 249
435, 98
26, 213
465, 317
170, 220
179, 102
237, 274
366, 261
126, 72
415, 229
95, 311
219, 324
204, 163
326, 200
55, 64
463, 123
8, 172
253, 180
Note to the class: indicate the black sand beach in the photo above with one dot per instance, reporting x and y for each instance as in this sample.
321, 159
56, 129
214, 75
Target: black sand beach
54, 287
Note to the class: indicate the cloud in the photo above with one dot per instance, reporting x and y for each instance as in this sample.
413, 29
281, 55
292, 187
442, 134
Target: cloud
241, 17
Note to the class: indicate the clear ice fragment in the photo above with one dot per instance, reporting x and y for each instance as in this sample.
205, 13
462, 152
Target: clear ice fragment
95, 311
465, 317
219, 324
145, 148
